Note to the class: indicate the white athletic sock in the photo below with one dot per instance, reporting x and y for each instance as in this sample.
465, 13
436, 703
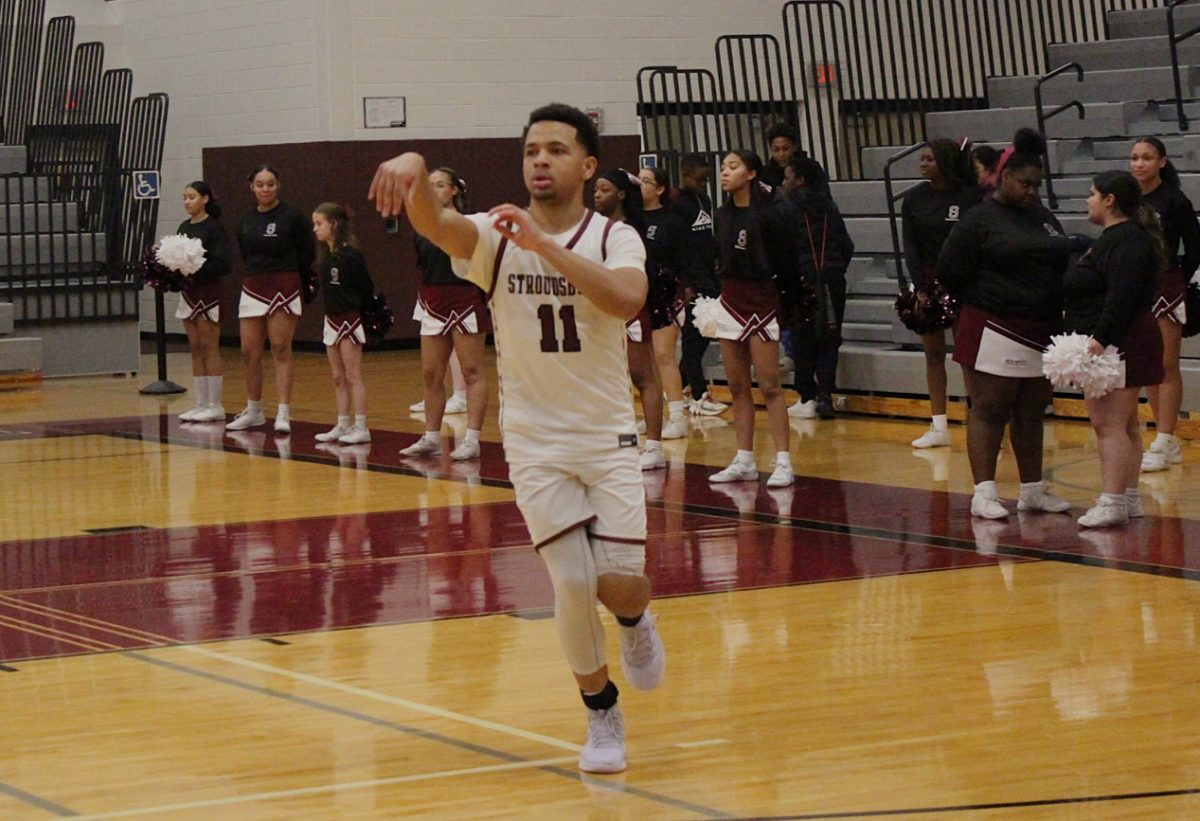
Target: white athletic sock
471, 436
744, 457
783, 457
434, 436
1032, 488
1133, 494
676, 408
254, 405
1165, 438
360, 421
653, 444
343, 422
200, 388
940, 422
284, 412
987, 489
216, 387
1112, 498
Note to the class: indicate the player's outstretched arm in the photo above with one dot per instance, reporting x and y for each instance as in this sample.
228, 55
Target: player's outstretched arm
617, 291
402, 184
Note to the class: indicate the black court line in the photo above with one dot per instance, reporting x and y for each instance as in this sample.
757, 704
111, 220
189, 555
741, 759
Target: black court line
1003, 805
659, 798
36, 801
949, 542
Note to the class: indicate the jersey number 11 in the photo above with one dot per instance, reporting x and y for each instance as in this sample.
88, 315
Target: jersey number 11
570, 341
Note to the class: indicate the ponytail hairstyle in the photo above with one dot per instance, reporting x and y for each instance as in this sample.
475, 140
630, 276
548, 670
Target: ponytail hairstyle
1169, 174
989, 158
629, 185
460, 188
258, 169
952, 159
1026, 151
212, 208
1127, 197
339, 218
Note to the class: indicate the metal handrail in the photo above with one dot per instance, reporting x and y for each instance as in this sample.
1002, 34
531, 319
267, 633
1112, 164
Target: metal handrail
1042, 117
897, 250
1175, 40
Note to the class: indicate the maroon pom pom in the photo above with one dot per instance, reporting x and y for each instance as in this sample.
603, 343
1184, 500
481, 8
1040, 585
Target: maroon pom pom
158, 276
927, 309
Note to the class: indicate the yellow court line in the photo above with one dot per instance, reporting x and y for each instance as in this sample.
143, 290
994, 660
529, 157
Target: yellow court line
84, 621
330, 788
67, 638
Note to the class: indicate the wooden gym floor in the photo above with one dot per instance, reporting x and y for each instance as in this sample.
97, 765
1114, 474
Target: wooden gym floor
195, 624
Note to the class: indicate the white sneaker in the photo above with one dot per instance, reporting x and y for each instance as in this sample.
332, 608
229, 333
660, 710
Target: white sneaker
422, 447
191, 414
333, 434
211, 413
706, 406
465, 451
1105, 514
804, 410
355, 436
1133, 506
675, 428
643, 657
782, 476
1161, 456
417, 407
246, 419
1043, 501
987, 507
736, 472
455, 404
652, 460
604, 751
932, 438
283, 425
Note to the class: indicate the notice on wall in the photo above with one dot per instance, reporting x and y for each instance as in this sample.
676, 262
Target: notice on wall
384, 112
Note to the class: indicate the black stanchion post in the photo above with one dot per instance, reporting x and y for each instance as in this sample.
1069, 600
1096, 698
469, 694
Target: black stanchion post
161, 386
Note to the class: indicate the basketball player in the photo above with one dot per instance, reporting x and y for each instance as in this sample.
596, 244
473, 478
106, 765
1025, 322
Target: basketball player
562, 282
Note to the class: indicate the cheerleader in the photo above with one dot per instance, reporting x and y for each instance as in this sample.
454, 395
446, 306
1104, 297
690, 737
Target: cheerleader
1159, 182
1108, 295
1004, 262
929, 211
618, 196
276, 242
756, 256
454, 319
347, 285
667, 257
200, 302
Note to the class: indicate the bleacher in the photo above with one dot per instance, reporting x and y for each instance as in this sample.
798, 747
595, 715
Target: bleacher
863, 84
71, 230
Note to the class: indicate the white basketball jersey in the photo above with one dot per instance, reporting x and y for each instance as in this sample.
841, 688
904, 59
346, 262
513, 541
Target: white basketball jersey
564, 376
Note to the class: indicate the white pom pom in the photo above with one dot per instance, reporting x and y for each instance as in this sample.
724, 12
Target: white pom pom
706, 316
1067, 364
182, 254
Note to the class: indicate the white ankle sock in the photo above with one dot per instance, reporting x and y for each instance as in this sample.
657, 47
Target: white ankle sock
987, 489
744, 457
471, 436
1165, 439
216, 387
676, 408
284, 412
940, 422
783, 458
360, 421
200, 388
1032, 488
653, 444
254, 405
434, 436
343, 422
1112, 499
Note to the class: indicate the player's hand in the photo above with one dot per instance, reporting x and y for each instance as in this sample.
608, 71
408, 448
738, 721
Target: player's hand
393, 181
517, 224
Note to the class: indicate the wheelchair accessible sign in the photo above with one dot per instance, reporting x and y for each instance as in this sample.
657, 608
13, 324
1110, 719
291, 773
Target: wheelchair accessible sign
145, 185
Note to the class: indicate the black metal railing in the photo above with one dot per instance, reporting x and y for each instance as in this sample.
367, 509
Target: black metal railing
71, 232
1175, 40
1043, 116
860, 74
893, 218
